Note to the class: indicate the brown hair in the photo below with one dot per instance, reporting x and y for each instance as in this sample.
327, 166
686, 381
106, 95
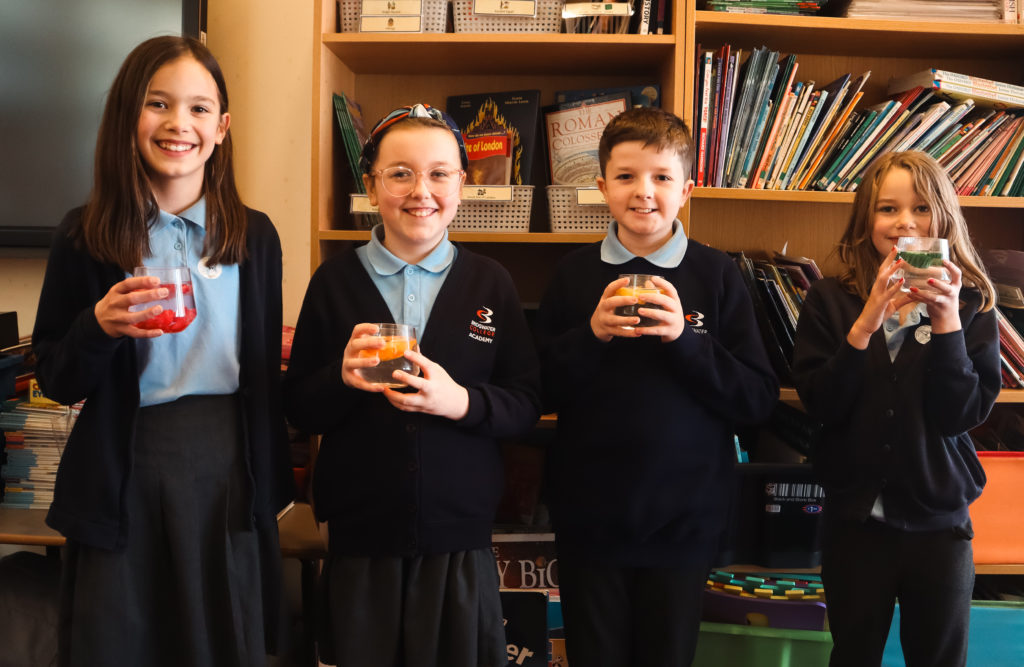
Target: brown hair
934, 186
651, 126
115, 222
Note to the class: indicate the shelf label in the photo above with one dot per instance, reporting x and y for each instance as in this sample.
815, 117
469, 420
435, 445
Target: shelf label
527, 8
589, 197
361, 204
487, 193
391, 16
573, 10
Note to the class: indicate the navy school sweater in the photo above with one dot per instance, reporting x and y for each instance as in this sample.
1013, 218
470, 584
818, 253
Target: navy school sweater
393, 483
642, 470
896, 427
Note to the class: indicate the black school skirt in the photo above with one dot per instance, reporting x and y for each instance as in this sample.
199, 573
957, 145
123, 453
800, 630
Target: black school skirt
186, 588
429, 611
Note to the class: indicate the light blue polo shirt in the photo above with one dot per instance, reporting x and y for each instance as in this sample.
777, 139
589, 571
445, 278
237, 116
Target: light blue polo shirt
668, 256
409, 290
204, 358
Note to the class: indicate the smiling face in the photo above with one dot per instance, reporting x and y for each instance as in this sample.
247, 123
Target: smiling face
415, 223
899, 211
644, 188
179, 126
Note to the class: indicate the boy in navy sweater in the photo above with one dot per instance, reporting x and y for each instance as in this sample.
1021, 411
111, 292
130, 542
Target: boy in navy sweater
641, 472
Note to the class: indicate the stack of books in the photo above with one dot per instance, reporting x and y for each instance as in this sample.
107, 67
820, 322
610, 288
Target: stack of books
976, 11
34, 436
756, 126
788, 7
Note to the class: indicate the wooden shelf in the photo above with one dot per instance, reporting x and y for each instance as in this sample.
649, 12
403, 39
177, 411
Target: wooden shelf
508, 53
842, 36
789, 395
845, 198
477, 237
979, 568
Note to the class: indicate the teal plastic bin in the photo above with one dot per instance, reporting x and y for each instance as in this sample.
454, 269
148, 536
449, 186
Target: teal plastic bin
722, 644
995, 639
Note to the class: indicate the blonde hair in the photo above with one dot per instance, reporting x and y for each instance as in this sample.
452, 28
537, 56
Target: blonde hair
857, 251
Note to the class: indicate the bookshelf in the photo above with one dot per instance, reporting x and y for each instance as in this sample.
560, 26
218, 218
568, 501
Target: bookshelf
384, 71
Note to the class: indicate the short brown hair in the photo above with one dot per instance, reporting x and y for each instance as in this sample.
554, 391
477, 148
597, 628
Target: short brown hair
652, 127
934, 186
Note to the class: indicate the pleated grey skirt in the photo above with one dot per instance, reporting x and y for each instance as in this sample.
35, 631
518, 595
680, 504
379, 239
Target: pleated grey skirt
186, 589
429, 611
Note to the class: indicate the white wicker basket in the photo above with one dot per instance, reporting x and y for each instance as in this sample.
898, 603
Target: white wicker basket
569, 216
435, 15
548, 19
496, 216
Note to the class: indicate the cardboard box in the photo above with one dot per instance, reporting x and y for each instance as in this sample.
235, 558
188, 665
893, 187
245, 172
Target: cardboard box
996, 514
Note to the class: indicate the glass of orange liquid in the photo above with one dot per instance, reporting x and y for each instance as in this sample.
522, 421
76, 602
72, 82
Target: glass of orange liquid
397, 339
179, 308
639, 284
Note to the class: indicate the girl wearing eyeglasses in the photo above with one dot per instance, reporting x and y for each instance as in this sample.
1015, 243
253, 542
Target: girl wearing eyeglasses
408, 480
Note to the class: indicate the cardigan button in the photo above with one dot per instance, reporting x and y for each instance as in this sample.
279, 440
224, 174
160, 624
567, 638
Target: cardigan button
889, 412
886, 449
410, 428
413, 466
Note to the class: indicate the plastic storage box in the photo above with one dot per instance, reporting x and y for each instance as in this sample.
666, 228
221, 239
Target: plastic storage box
435, 15
495, 216
996, 515
994, 637
569, 216
548, 19
725, 644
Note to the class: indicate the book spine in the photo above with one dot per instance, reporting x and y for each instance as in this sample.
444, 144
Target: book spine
727, 108
702, 144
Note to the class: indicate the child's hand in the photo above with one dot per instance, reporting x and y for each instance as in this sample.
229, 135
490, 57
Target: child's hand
112, 310
362, 339
944, 302
884, 300
670, 316
604, 322
436, 392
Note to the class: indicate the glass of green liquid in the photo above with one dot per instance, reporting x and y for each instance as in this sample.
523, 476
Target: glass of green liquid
922, 259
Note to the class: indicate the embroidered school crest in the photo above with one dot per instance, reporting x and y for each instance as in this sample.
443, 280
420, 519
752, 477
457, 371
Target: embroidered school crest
482, 328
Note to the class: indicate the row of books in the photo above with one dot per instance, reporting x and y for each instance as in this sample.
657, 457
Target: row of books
777, 289
33, 436
757, 126
635, 17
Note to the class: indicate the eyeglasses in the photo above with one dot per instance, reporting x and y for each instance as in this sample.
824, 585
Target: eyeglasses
401, 181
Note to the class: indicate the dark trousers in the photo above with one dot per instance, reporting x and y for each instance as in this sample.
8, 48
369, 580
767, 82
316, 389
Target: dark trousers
630, 616
867, 567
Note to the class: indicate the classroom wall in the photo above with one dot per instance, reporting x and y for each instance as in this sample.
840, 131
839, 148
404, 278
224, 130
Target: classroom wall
265, 48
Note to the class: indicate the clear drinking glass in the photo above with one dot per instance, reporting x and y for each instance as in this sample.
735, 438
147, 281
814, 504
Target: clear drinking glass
639, 284
922, 259
179, 308
397, 339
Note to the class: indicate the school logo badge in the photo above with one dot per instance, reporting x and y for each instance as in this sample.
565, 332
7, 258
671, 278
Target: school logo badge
923, 334
482, 328
695, 320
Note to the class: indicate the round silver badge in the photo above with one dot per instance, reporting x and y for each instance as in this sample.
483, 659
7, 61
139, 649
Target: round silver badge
923, 334
207, 271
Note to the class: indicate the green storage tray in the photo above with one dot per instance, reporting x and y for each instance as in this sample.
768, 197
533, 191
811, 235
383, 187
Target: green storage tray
748, 646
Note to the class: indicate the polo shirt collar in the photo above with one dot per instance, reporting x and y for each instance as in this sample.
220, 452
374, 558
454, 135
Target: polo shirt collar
386, 264
668, 256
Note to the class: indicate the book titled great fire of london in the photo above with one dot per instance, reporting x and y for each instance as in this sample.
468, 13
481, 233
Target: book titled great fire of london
500, 131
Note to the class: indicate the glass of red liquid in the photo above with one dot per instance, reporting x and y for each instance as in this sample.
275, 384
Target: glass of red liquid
179, 308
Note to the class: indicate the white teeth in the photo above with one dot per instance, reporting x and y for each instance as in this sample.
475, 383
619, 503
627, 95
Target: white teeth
643, 210
420, 213
180, 148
